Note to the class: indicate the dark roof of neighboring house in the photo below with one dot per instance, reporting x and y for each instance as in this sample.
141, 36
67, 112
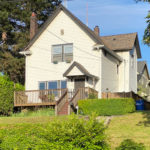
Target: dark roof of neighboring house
90, 32
140, 67
81, 68
122, 42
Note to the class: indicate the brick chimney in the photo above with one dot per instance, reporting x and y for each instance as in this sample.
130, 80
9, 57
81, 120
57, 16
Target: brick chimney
33, 25
96, 30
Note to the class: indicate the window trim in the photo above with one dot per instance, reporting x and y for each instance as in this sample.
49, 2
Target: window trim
117, 69
62, 60
46, 84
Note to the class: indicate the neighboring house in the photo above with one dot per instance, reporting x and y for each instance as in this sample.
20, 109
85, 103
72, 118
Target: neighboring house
143, 80
65, 53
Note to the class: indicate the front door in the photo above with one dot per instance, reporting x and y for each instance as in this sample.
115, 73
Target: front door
79, 83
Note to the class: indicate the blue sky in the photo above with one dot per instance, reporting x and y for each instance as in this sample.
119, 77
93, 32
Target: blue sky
114, 17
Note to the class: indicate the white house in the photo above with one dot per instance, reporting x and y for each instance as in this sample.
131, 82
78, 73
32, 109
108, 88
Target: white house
65, 53
143, 80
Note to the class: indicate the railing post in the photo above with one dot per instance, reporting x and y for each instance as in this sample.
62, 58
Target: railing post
14, 98
69, 109
56, 110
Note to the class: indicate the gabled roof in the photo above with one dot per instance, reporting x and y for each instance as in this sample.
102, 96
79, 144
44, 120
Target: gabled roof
91, 33
81, 68
141, 66
123, 42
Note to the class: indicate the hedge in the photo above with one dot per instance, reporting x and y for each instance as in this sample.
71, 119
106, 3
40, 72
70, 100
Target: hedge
129, 144
7, 89
106, 107
68, 134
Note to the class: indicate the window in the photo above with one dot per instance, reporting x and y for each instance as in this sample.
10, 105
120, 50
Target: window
132, 62
132, 53
63, 84
59, 84
105, 53
117, 69
52, 85
62, 53
42, 86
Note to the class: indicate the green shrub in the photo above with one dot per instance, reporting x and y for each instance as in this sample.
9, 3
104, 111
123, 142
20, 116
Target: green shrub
67, 134
130, 145
7, 89
106, 106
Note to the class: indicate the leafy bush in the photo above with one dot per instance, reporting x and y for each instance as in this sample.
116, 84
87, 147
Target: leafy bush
67, 134
106, 106
130, 145
7, 89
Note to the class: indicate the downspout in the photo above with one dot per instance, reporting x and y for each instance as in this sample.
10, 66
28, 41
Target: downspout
124, 74
100, 74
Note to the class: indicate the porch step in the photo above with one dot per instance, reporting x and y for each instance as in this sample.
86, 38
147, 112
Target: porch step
64, 110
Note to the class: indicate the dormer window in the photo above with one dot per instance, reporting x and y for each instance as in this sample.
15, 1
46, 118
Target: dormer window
62, 53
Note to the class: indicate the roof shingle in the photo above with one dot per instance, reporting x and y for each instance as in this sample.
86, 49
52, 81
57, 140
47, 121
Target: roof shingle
122, 42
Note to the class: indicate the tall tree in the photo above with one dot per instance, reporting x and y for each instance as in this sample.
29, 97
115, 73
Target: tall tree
14, 31
146, 37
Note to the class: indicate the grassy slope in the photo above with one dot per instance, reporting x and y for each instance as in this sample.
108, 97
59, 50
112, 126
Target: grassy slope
134, 126
30, 117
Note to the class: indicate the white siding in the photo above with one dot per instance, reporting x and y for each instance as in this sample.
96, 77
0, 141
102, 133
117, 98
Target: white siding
109, 76
124, 72
75, 71
39, 66
128, 72
133, 72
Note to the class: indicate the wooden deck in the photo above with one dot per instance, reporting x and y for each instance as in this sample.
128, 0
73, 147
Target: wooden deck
37, 97
35, 104
54, 97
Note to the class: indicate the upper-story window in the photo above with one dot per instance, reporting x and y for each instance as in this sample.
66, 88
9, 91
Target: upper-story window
62, 53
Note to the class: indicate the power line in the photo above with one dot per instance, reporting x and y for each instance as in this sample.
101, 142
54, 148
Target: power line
74, 46
16, 1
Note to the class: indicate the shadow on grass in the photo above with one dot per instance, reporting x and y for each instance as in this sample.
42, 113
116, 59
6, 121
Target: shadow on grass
146, 119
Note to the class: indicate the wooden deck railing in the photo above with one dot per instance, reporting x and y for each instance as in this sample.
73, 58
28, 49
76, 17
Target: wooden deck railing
61, 102
37, 97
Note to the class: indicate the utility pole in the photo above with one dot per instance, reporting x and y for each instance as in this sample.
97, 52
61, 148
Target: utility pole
87, 19
65, 3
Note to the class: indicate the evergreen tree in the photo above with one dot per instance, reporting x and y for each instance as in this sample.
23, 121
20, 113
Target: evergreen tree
146, 37
14, 31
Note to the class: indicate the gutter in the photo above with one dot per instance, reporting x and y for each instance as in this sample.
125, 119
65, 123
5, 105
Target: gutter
26, 53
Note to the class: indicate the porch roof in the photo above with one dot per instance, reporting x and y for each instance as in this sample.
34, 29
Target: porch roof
81, 68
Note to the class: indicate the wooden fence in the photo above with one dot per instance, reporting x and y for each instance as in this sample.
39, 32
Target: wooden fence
127, 95
131, 94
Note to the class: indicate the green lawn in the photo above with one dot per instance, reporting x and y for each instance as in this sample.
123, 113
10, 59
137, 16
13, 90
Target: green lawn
26, 116
134, 126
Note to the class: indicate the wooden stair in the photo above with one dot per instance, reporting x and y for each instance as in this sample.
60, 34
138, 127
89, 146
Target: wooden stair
66, 105
64, 109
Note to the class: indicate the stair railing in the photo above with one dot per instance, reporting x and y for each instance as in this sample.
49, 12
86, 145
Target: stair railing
74, 101
60, 103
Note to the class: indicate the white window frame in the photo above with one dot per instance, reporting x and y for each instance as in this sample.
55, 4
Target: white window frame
63, 56
46, 83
